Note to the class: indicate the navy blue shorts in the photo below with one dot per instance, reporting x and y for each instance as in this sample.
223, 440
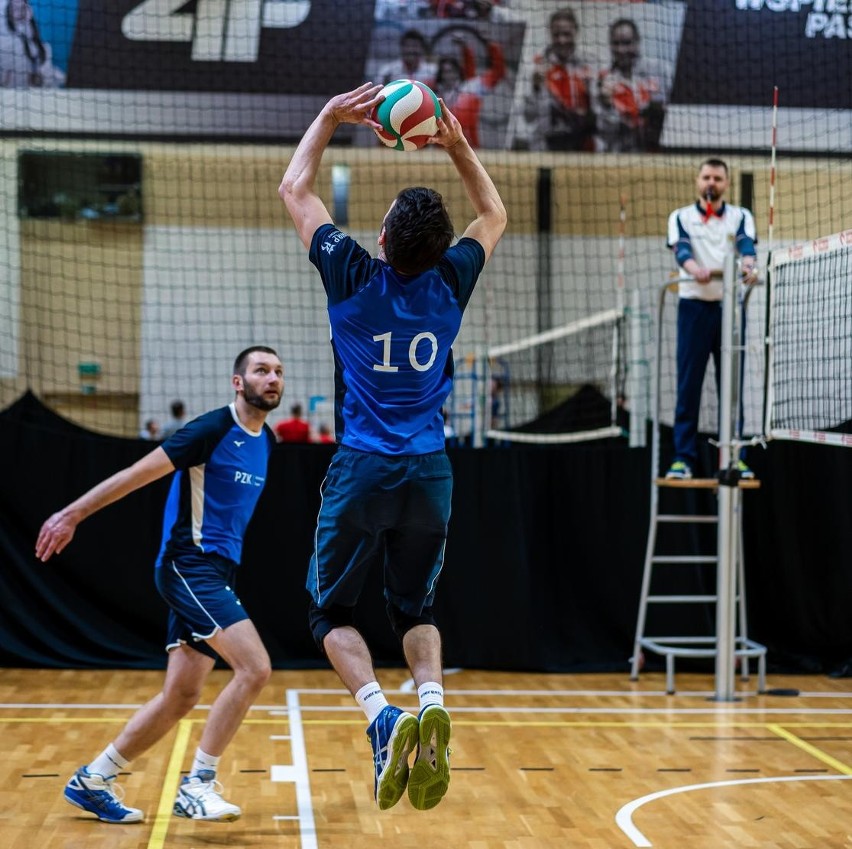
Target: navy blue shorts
199, 590
387, 510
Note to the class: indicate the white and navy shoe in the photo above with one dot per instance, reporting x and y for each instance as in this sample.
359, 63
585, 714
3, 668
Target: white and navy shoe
393, 736
100, 796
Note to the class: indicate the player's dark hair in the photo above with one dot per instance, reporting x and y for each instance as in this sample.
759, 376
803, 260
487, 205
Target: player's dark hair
414, 35
177, 408
624, 22
566, 14
241, 361
443, 63
714, 162
418, 230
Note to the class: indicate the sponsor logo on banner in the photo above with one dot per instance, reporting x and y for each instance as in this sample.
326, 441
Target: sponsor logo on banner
253, 46
824, 18
801, 46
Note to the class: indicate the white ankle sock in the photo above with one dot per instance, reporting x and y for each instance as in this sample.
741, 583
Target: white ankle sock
203, 761
108, 763
372, 700
430, 693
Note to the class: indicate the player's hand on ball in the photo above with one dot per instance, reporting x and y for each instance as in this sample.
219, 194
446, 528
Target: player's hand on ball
449, 129
356, 106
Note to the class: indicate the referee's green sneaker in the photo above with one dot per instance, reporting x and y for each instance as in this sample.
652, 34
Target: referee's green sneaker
430, 775
679, 471
745, 472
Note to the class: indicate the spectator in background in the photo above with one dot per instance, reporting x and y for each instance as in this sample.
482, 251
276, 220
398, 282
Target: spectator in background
630, 96
463, 90
25, 60
151, 430
413, 62
294, 429
558, 106
176, 422
324, 434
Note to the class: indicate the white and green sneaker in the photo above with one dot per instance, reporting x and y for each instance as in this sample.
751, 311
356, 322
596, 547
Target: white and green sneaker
430, 776
679, 471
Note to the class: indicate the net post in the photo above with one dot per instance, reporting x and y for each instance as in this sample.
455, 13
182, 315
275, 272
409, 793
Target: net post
482, 401
728, 504
638, 383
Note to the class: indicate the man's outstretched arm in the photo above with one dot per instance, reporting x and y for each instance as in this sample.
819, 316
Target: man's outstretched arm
490, 221
58, 530
297, 186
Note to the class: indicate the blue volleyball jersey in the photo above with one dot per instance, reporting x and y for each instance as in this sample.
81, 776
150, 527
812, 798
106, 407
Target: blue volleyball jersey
221, 470
392, 338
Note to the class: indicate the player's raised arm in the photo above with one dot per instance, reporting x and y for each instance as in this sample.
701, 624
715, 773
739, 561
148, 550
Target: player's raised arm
297, 186
59, 529
490, 221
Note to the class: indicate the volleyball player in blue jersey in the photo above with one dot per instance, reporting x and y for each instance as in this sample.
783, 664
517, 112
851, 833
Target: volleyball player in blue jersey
221, 459
386, 496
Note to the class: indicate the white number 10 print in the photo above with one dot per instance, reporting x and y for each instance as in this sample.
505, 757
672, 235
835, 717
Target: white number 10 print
385, 339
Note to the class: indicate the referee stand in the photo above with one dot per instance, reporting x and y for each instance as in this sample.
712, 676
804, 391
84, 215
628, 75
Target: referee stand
730, 643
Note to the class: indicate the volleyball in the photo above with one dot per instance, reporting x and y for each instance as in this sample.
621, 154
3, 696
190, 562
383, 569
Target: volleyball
408, 115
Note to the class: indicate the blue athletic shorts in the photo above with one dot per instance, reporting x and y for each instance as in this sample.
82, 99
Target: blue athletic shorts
199, 590
387, 510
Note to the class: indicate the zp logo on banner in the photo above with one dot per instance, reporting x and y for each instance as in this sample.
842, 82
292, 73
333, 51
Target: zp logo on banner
219, 31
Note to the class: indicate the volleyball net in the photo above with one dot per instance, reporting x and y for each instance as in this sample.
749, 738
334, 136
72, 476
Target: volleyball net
558, 386
809, 379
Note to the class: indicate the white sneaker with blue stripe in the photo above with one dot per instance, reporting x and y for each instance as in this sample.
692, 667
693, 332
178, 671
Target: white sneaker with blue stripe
200, 798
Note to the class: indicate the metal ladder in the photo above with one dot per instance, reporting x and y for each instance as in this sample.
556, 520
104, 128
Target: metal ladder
671, 647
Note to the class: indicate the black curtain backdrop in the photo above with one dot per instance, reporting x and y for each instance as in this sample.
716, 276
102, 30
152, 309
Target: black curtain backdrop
542, 572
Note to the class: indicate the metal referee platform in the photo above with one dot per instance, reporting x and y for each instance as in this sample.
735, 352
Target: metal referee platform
730, 644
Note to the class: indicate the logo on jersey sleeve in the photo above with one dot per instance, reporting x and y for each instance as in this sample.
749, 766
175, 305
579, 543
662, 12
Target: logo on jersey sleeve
248, 479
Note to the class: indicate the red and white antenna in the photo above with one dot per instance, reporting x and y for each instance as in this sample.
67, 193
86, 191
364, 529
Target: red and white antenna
770, 231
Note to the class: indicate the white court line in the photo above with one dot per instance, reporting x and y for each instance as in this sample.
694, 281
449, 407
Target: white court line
408, 686
721, 710
297, 772
680, 696
624, 818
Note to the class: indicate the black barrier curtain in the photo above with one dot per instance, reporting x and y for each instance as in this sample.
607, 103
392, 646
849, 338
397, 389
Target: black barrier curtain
542, 572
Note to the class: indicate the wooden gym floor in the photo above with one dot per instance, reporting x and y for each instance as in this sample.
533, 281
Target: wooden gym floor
580, 761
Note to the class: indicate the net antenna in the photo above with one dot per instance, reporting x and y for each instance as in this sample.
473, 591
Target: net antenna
770, 235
